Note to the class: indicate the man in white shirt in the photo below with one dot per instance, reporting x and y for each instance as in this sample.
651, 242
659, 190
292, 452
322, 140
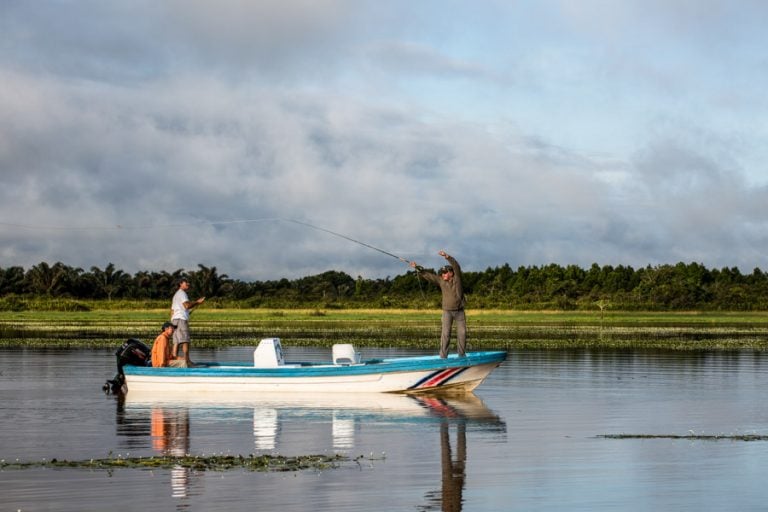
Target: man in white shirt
181, 307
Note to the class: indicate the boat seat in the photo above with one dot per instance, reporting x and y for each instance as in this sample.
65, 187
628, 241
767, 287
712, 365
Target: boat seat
345, 354
268, 354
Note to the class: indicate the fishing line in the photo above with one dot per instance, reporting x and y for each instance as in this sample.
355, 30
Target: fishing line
119, 227
345, 237
348, 238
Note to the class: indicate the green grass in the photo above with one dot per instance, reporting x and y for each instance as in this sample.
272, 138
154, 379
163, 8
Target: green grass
403, 328
352, 315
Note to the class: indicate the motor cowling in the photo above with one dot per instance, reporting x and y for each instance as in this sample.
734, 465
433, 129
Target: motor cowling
133, 352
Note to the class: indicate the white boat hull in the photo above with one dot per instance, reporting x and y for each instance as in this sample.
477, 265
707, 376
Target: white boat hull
399, 375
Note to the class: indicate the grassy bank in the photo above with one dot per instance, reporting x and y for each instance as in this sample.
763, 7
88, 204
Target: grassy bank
353, 315
489, 329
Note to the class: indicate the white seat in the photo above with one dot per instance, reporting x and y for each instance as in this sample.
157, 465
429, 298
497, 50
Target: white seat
268, 354
345, 354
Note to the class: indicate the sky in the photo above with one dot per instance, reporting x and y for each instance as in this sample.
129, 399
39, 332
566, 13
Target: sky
163, 135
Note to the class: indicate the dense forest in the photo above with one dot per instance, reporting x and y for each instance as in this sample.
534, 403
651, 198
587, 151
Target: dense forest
682, 286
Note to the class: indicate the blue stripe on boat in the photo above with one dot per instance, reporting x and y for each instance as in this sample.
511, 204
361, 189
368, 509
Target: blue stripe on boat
446, 378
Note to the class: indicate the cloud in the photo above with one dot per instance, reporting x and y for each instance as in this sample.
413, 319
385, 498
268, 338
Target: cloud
418, 59
168, 135
142, 159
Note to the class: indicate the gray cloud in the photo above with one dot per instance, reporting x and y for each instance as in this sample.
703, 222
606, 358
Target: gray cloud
418, 59
373, 174
166, 136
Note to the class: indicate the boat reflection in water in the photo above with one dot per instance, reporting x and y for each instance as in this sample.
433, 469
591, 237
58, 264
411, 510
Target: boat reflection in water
349, 414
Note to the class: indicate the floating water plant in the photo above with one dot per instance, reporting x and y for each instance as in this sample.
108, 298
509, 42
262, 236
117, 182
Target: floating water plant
264, 463
690, 437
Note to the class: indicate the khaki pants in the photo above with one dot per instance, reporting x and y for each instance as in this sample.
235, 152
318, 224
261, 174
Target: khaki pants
449, 317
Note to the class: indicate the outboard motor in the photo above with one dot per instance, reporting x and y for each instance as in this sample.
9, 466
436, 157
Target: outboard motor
133, 352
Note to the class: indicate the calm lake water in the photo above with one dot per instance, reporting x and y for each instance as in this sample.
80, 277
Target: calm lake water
529, 440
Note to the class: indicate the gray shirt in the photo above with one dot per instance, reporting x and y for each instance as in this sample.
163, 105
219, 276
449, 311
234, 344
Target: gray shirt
453, 292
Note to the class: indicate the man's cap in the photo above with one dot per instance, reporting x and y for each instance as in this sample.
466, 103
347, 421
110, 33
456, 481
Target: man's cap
446, 268
167, 325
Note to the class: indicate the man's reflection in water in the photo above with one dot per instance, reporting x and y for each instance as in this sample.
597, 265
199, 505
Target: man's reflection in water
450, 497
170, 431
170, 437
453, 469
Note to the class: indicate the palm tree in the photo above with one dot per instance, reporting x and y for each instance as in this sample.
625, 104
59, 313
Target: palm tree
43, 279
109, 281
142, 285
11, 280
208, 283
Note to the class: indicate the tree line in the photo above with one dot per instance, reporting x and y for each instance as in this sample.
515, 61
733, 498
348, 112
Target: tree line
683, 286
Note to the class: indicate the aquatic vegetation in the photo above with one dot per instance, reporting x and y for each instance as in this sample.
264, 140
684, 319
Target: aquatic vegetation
690, 436
194, 462
395, 328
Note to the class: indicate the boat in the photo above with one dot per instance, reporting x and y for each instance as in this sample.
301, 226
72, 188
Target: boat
346, 372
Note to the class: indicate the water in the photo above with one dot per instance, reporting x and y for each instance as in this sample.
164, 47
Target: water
530, 439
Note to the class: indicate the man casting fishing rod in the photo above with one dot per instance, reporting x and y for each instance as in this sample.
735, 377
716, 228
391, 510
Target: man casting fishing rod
449, 281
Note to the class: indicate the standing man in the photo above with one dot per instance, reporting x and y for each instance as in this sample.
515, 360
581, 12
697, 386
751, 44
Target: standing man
161, 349
181, 307
449, 281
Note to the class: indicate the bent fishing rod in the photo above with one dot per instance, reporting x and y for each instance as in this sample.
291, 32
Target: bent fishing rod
407, 262
345, 237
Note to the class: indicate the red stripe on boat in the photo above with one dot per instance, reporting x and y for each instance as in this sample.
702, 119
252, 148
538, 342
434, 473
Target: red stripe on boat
439, 378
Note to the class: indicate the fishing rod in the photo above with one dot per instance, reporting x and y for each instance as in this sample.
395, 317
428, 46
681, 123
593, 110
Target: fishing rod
408, 262
345, 237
